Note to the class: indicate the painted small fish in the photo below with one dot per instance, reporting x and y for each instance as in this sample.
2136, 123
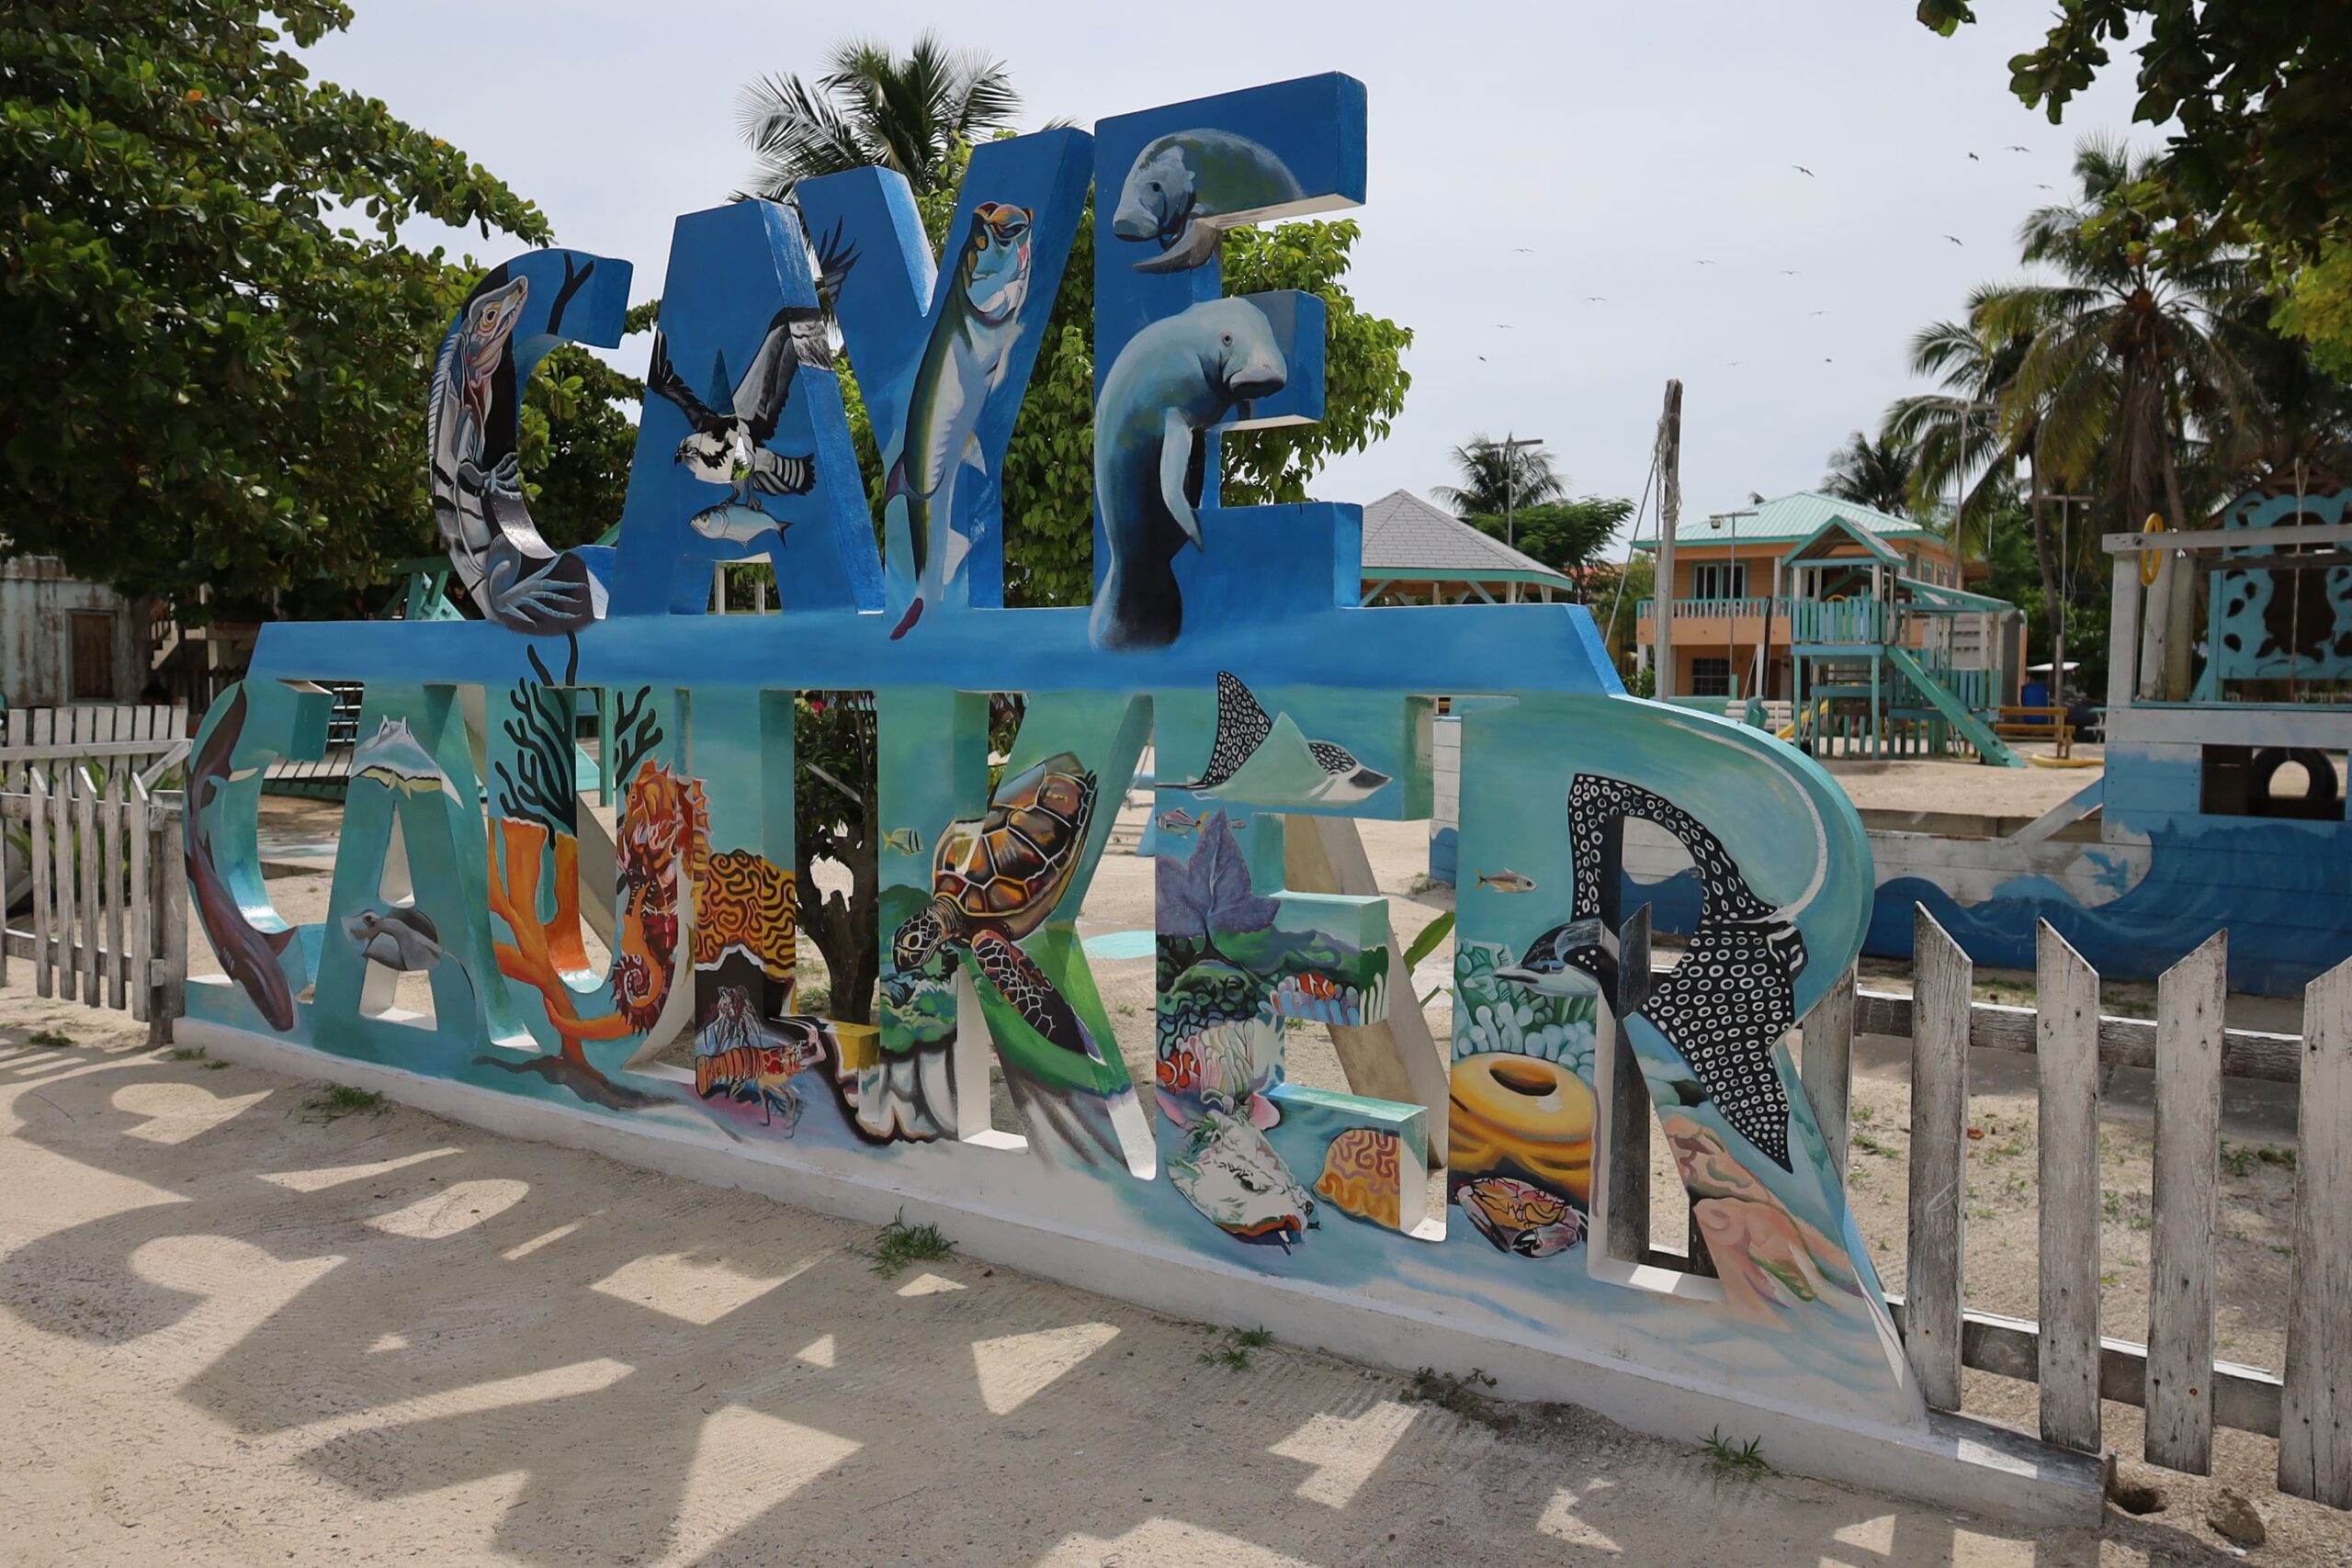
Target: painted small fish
1177, 820
737, 523
903, 841
1320, 987
1506, 882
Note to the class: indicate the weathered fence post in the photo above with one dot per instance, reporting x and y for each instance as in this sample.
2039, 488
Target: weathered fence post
114, 823
1826, 1069
168, 974
2068, 1053
137, 817
2315, 1413
37, 805
60, 834
2185, 1222
86, 833
1629, 1100
1942, 979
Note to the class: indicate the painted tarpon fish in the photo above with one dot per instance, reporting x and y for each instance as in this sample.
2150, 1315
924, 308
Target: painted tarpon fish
1506, 882
248, 955
402, 939
964, 363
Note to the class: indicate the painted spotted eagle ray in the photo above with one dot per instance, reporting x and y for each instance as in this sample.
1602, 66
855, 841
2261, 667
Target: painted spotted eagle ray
1727, 1004
1268, 762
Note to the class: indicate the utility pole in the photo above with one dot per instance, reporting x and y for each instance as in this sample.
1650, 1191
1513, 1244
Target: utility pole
2065, 592
1510, 446
1669, 514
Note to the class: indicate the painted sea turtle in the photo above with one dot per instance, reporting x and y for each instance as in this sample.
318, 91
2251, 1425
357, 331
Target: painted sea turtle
994, 880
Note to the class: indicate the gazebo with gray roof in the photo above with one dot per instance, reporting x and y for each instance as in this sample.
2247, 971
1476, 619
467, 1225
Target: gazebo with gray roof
1415, 553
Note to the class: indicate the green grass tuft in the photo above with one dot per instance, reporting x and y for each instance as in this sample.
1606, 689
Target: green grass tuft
1233, 1352
336, 1100
1725, 1457
901, 1244
1462, 1395
186, 1054
48, 1037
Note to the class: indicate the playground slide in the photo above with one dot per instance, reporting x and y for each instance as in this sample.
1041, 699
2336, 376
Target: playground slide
1789, 730
1975, 730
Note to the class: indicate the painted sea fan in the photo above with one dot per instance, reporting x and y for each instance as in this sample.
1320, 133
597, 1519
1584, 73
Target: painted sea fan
1209, 895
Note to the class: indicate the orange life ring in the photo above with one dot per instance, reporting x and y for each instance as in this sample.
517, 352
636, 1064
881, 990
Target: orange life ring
2152, 562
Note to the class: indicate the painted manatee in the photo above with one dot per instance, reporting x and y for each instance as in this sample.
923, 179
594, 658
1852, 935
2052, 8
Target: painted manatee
1182, 185
1174, 380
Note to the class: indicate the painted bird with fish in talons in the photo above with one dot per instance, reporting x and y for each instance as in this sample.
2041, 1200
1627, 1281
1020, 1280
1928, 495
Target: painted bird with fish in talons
961, 365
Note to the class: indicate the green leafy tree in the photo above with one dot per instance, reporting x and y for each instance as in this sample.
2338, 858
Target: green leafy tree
206, 374
836, 808
1569, 537
2260, 92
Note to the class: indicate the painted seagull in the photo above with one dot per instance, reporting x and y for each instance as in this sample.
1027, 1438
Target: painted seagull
1270, 761
732, 426
1728, 1003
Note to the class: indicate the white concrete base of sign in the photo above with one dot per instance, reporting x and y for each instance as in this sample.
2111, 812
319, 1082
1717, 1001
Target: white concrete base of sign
1951, 1462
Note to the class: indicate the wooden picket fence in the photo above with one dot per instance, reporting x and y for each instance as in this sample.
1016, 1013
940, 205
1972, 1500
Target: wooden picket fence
107, 922
146, 734
2307, 1404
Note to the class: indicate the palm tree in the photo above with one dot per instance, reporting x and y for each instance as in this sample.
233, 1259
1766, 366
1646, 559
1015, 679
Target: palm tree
872, 107
1958, 448
2124, 349
1871, 473
1495, 479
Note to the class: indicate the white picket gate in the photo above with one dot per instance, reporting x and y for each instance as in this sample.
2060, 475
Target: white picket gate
107, 922
2307, 1404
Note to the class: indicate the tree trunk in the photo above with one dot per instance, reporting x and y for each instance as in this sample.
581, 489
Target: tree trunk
2180, 597
2054, 604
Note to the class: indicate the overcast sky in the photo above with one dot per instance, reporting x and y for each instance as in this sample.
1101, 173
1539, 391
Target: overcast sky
1522, 159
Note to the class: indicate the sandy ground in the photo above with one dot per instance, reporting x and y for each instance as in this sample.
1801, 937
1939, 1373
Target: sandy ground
237, 1331
1964, 788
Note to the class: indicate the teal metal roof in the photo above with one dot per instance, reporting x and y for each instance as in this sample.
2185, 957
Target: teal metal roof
1792, 519
1844, 527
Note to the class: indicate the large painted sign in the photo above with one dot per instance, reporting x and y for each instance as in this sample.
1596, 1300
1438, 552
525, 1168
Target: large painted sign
1228, 639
